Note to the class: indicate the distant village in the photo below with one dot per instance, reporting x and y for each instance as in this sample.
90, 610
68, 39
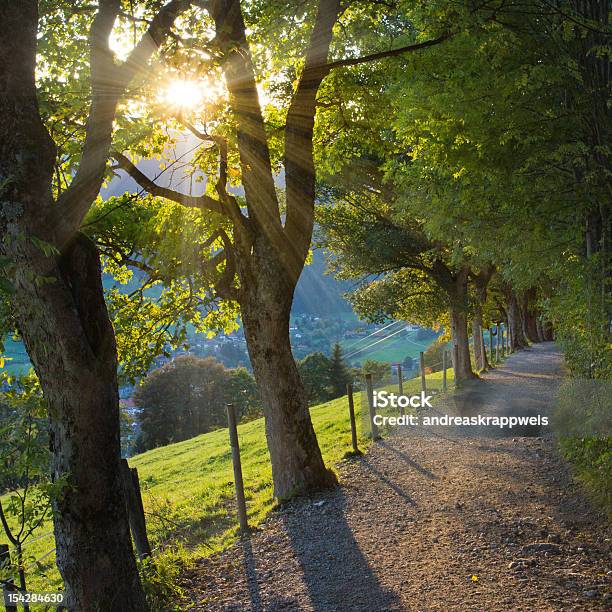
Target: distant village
309, 334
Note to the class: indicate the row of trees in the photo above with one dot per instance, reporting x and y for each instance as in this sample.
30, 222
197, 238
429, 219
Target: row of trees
491, 161
188, 395
486, 196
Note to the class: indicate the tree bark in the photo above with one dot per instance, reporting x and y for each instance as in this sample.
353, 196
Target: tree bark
70, 340
462, 363
297, 464
515, 320
540, 330
59, 309
458, 310
530, 316
480, 353
481, 282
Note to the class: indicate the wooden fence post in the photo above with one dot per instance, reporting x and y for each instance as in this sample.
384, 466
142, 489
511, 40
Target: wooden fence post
8, 586
400, 385
240, 500
497, 328
444, 365
135, 509
423, 380
491, 356
349, 392
370, 393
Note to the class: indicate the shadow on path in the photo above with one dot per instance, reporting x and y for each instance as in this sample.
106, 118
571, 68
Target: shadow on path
407, 459
336, 573
251, 575
370, 467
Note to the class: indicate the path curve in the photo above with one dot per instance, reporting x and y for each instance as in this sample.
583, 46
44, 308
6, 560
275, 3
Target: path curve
427, 521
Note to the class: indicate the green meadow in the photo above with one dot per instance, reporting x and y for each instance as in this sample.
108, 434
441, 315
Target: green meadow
188, 489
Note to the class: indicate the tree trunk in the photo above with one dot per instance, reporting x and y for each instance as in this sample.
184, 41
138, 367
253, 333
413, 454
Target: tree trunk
70, 340
297, 464
462, 363
515, 321
540, 330
481, 282
458, 310
480, 353
530, 316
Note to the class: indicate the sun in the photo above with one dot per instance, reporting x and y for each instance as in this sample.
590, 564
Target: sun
184, 95
191, 95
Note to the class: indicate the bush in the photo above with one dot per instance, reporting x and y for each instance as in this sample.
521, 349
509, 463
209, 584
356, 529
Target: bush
433, 355
188, 396
160, 578
592, 459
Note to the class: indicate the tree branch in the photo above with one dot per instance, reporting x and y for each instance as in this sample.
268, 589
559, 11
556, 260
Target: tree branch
108, 82
354, 61
299, 162
5, 526
256, 167
202, 202
152, 39
224, 286
221, 144
77, 198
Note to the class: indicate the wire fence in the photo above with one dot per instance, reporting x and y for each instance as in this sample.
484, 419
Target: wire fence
37, 561
423, 379
31, 541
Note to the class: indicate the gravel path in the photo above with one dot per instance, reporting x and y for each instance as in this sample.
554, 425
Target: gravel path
432, 520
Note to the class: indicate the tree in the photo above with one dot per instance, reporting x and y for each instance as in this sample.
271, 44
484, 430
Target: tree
339, 374
267, 256
405, 274
379, 370
180, 400
262, 242
314, 372
52, 273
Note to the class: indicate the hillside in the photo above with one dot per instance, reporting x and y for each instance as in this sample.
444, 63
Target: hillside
318, 293
188, 490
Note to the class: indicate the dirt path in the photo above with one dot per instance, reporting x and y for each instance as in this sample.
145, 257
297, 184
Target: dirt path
432, 521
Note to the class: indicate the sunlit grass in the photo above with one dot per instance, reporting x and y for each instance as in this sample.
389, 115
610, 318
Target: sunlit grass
188, 489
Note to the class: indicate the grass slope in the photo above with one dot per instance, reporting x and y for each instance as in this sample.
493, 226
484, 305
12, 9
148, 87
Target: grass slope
392, 349
188, 489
